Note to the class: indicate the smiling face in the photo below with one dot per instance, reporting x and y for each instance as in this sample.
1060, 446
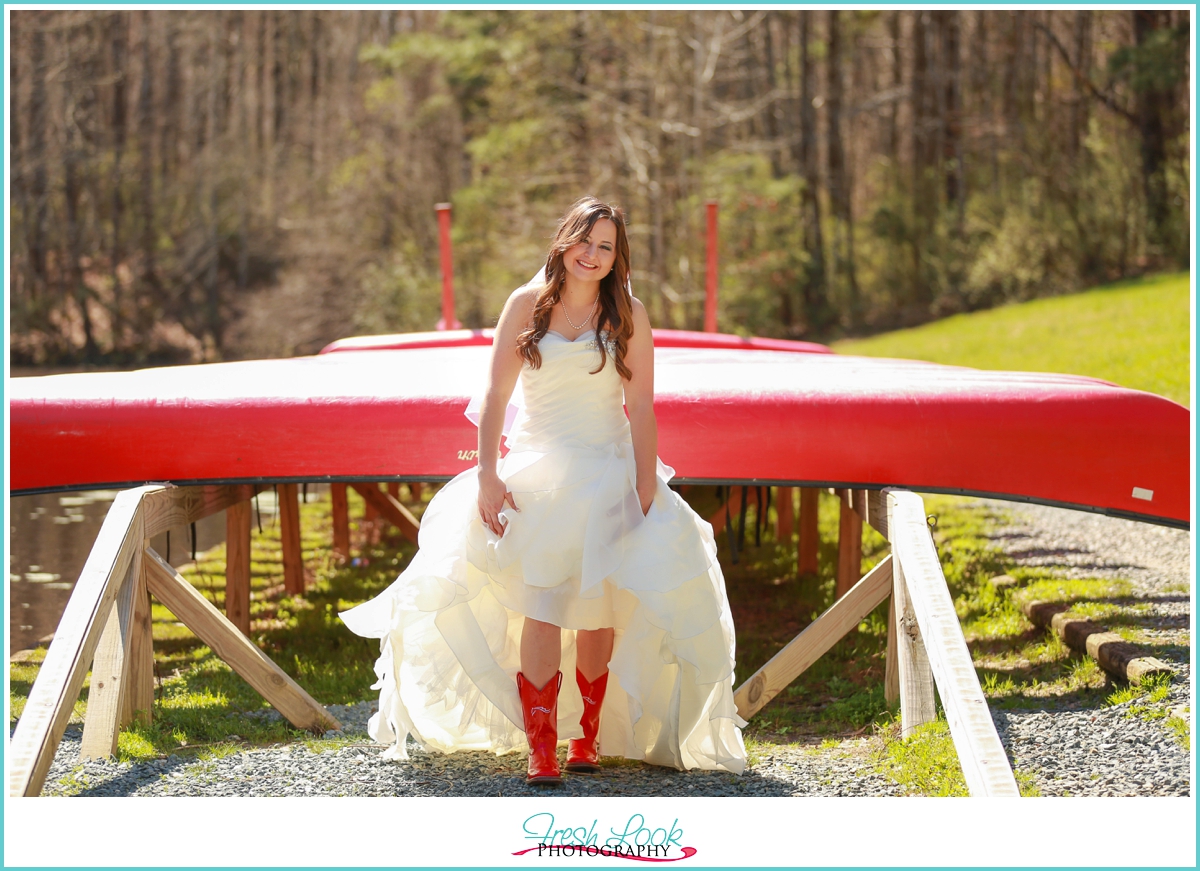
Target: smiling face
593, 258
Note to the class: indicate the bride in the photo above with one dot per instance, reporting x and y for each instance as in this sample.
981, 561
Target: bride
569, 553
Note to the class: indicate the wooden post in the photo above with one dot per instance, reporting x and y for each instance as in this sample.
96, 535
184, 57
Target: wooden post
785, 510
891, 668
447, 321
139, 691
370, 519
53, 694
289, 533
415, 488
849, 567
341, 520
732, 505
237, 565
915, 676
810, 537
710, 271
110, 670
934, 622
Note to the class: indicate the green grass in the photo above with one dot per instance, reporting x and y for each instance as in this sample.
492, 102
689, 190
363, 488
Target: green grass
1135, 333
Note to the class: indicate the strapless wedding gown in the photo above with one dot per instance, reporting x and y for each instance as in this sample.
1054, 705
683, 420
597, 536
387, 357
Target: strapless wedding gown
578, 554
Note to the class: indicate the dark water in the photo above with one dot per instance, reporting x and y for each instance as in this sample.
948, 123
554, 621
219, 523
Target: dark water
50, 536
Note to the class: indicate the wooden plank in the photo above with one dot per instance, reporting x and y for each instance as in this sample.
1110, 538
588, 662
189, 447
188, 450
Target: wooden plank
807, 647
984, 763
1115, 655
785, 513
110, 670
732, 504
139, 691
810, 537
171, 507
914, 676
341, 520
849, 566
891, 667
53, 694
211, 626
877, 511
370, 520
389, 508
289, 535
237, 565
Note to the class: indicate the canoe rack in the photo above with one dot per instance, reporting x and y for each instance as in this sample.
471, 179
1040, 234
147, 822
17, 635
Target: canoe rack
106, 623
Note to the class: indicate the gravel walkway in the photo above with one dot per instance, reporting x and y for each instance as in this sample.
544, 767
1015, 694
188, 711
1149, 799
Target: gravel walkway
1109, 750
1068, 752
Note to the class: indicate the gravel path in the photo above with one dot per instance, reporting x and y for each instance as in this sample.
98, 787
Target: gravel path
1068, 752
1106, 751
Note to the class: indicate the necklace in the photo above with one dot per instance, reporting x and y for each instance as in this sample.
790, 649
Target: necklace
595, 302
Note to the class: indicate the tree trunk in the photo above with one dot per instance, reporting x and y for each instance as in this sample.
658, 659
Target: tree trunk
1151, 106
120, 43
816, 305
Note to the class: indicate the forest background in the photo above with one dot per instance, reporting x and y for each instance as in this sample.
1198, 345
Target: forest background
205, 185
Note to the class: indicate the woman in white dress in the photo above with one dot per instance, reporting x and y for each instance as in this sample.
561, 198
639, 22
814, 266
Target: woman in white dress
569, 553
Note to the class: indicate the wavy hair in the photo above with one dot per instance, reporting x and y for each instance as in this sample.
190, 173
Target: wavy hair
616, 306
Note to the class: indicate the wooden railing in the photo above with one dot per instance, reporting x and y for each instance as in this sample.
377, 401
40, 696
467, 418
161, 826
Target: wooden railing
926, 646
106, 625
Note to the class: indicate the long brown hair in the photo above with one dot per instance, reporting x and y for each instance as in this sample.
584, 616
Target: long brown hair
616, 307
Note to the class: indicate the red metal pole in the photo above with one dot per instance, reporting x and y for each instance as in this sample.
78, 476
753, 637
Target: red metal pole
448, 321
710, 278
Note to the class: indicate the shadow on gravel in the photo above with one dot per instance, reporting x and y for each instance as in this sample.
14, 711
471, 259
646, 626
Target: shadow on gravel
137, 776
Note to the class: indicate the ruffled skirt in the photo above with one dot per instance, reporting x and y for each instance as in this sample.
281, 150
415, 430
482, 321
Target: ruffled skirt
578, 554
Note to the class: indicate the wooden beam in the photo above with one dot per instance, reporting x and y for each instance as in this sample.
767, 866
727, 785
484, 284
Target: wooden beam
110, 669
849, 566
891, 667
914, 677
370, 520
732, 504
289, 535
984, 762
210, 625
810, 538
341, 520
877, 511
388, 507
53, 694
415, 489
1115, 655
171, 507
807, 647
785, 512
139, 692
237, 565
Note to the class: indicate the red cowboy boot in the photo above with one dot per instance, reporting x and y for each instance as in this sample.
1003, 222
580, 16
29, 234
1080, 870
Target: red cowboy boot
540, 708
583, 755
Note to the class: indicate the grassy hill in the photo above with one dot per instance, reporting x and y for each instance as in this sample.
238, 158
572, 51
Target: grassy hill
1134, 333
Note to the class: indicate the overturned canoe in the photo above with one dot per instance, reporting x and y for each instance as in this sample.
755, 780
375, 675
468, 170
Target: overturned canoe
728, 410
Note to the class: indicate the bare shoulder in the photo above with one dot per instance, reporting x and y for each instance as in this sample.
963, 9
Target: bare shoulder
521, 301
641, 320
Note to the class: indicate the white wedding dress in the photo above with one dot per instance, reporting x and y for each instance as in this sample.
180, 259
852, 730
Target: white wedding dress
578, 554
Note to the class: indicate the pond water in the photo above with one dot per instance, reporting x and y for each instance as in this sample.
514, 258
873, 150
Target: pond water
50, 536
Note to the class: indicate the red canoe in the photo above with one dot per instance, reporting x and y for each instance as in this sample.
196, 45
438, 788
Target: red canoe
729, 409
